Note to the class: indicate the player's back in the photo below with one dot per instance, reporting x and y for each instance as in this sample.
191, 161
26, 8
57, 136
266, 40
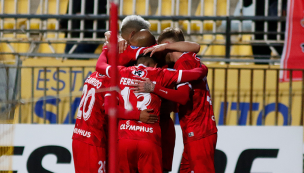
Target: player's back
196, 117
134, 129
91, 122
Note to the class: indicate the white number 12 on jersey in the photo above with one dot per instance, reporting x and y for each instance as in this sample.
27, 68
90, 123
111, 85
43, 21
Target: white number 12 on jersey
141, 105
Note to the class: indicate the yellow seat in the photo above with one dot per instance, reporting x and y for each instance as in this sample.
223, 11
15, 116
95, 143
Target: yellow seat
8, 24
166, 11
243, 50
52, 9
99, 49
140, 8
35, 24
59, 48
154, 24
127, 7
196, 25
217, 50
18, 47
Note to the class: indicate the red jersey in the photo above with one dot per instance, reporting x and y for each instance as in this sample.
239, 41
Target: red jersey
196, 117
91, 122
129, 56
131, 129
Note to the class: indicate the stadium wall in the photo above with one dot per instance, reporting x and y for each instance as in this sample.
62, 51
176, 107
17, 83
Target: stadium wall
43, 148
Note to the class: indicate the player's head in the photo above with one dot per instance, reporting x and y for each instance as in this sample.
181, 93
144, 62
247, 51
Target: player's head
146, 60
170, 35
143, 38
132, 24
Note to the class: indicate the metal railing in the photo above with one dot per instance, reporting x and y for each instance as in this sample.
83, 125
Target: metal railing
37, 98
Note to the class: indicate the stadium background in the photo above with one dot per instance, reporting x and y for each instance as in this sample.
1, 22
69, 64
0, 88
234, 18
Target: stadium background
40, 82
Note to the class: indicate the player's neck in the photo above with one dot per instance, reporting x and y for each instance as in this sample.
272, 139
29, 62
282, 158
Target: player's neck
174, 56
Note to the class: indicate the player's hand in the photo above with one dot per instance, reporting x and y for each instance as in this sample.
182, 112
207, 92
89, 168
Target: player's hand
148, 118
157, 48
107, 36
122, 45
143, 86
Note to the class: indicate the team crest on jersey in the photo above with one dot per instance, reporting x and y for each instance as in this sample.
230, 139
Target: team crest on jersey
140, 73
134, 47
302, 47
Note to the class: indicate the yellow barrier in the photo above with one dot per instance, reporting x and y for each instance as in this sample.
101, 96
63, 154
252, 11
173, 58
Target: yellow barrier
67, 82
243, 118
217, 87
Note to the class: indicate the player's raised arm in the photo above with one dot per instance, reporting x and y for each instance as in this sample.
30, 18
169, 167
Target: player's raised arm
102, 65
181, 46
194, 74
181, 95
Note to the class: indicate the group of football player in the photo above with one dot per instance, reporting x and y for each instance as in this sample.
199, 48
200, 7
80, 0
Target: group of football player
156, 77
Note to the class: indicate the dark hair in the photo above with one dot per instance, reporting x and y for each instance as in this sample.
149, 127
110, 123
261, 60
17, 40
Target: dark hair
172, 33
146, 57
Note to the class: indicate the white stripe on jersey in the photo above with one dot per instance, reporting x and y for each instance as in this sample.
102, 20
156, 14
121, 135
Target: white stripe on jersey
182, 84
180, 73
137, 53
107, 71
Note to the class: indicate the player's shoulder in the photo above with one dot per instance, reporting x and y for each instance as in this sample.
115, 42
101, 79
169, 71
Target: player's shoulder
168, 69
97, 80
189, 56
187, 60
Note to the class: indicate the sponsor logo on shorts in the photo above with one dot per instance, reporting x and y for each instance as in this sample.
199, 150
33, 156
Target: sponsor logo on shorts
191, 134
127, 126
302, 47
82, 132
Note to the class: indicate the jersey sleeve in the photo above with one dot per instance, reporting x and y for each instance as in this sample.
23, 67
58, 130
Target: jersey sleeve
102, 66
172, 77
181, 95
130, 55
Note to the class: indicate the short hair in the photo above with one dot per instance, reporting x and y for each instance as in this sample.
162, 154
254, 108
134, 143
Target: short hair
175, 34
146, 57
134, 21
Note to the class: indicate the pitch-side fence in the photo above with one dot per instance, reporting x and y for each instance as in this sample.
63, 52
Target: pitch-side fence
11, 94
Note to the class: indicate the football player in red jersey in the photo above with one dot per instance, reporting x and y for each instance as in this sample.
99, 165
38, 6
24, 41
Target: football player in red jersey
90, 132
196, 116
140, 143
142, 39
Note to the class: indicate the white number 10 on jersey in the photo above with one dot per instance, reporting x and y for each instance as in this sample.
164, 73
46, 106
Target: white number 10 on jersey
83, 103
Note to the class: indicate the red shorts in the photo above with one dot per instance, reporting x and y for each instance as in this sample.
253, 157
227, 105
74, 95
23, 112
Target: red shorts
139, 156
167, 142
88, 158
198, 155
